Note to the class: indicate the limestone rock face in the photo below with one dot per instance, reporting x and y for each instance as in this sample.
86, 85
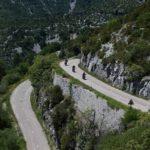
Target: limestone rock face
145, 87
116, 74
107, 118
41, 98
37, 48
63, 83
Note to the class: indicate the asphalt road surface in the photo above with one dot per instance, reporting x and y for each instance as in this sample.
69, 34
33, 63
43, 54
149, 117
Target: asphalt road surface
104, 88
30, 127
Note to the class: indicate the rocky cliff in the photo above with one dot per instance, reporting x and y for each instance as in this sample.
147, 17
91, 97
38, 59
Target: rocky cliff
74, 117
117, 74
108, 119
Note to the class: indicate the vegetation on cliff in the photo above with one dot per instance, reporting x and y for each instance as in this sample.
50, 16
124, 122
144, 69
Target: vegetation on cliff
68, 128
134, 51
71, 130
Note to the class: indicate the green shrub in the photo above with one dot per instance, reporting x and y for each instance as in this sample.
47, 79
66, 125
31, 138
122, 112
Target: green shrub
66, 141
135, 72
62, 54
50, 48
5, 121
12, 78
137, 52
92, 45
9, 140
54, 95
133, 145
101, 54
3, 87
130, 116
146, 34
2, 69
41, 71
144, 20
23, 68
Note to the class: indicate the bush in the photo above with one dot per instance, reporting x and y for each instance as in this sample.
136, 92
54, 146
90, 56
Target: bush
23, 68
59, 116
137, 52
63, 121
92, 45
3, 87
4, 119
62, 54
12, 78
65, 142
54, 95
135, 72
130, 116
144, 20
133, 145
41, 71
50, 48
9, 141
2, 69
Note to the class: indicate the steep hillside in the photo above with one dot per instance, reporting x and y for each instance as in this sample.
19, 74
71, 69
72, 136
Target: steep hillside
91, 130
27, 26
119, 52
22, 8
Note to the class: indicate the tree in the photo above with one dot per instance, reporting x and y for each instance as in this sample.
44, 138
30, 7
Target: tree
50, 48
130, 116
2, 69
54, 94
4, 119
41, 71
133, 145
135, 72
9, 140
146, 139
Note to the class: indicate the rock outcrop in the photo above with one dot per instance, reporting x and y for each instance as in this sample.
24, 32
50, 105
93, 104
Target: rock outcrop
116, 74
145, 88
107, 118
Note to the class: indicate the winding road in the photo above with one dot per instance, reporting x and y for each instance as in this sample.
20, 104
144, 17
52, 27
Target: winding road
30, 127
104, 88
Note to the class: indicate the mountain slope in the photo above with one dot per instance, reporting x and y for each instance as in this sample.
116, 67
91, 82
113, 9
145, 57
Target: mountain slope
48, 7
28, 26
119, 52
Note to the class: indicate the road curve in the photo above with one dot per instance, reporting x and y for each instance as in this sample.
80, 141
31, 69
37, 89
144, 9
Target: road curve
104, 88
30, 127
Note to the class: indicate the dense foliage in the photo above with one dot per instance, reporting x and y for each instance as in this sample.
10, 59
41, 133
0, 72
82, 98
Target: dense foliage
10, 138
25, 23
130, 38
136, 136
24, 32
69, 128
72, 131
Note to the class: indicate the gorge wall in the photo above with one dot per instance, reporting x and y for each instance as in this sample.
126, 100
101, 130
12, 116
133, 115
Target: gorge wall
82, 119
108, 119
117, 75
